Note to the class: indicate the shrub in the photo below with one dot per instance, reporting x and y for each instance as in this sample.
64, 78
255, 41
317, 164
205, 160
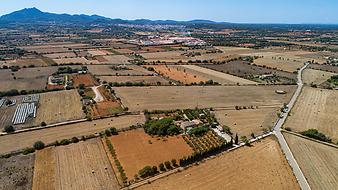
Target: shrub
9, 129
43, 124
75, 140
199, 131
315, 134
146, 172
38, 145
174, 162
167, 165
28, 150
113, 131
288, 128
64, 142
161, 166
107, 132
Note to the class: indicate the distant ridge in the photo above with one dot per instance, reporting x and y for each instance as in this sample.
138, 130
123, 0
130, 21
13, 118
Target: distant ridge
34, 15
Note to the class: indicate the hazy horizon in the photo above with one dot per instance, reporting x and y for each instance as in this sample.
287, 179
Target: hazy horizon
235, 11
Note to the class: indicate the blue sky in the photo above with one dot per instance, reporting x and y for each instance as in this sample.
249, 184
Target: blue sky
241, 11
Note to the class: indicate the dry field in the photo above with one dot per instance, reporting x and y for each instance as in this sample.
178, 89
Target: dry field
317, 109
86, 79
244, 122
328, 68
98, 52
49, 135
236, 50
177, 74
317, 161
246, 70
288, 64
84, 165
16, 172
7, 113
59, 106
169, 56
124, 51
134, 150
117, 59
37, 62
26, 78
151, 80
216, 76
261, 166
76, 60
61, 55
316, 76
183, 97
108, 70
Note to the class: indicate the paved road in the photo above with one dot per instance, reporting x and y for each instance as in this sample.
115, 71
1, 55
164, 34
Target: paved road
288, 154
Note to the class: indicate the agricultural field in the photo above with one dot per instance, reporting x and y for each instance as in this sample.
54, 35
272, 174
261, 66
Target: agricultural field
168, 56
252, 72
216, 76
61, 55
149, 80
59, 106
75, 60
16, 172
90, 167
86, 79
25, 62
233, 170
317, 77
135, 149
10, 143
177, 74
317, 161
116, 59
247, 121
315, 109
176, 97
7, 112
279, 62
322, 67
124, 70
98, 52
26, 78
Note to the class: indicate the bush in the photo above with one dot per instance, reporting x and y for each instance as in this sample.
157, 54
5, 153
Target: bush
107, 132
75, 140
9, 129
161, 166
315, 134
28, 151
43, 124
113, 131
174, 162
64, 142
167, 165
146, 172
199, 131
38, 145
288, 128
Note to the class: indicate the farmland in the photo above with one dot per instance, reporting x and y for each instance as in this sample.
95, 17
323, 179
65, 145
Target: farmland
59, 107
317, 109
25, 79
247, 121
175, 97
316, 77
136, 149
216, 76
249, 71
16, 172
233, 171
177, 74
90, 167
317, 161
116, 59
9, 143
106, 70
75, 60
85, 79
151, 80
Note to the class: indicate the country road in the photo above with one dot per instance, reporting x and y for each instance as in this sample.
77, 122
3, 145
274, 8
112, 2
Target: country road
98, 95
288, 154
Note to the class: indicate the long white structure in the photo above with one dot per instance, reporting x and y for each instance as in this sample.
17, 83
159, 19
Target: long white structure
22, 112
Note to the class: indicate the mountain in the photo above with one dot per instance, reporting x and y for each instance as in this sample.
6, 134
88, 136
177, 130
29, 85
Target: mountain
34, 15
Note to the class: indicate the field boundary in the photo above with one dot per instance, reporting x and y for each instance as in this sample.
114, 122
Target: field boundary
311, 139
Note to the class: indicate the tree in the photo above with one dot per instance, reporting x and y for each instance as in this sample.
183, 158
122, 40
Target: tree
245, 140
107, 132
43, 124
227, 129
9, 129
174, 162
236, 139
113, 131
155, 170
253, 135
161, 166
81, 86
75, 140
146, 172
38, 145
167, 165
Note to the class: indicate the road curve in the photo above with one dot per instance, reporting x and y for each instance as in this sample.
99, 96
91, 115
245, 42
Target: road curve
284, 146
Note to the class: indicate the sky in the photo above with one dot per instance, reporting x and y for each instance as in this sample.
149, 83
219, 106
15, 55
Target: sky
237, 11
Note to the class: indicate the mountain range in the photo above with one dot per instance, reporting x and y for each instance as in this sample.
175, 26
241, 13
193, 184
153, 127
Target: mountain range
34, 15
